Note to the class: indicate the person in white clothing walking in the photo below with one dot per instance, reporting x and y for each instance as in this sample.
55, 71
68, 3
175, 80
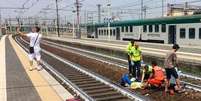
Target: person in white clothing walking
34, 49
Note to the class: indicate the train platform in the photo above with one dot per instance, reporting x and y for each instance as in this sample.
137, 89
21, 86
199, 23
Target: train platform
183, 48
17, 83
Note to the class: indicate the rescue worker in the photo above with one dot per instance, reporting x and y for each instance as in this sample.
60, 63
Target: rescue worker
128, 50
157, 76
146, 72
170, 64
136, 58
126, 80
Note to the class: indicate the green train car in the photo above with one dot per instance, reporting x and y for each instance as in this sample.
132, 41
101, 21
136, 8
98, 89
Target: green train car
169, 30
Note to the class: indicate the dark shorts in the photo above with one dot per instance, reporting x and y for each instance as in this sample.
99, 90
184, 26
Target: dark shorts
171, 71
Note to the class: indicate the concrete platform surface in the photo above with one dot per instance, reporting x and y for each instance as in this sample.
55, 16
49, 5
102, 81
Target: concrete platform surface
17, 83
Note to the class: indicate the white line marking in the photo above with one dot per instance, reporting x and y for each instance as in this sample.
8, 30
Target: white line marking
59, 89
3, 92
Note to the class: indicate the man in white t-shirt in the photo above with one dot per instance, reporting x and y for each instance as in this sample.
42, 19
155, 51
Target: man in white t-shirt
35, 38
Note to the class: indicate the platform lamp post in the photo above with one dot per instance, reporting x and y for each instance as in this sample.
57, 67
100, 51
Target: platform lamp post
73, 23
57, 25
78, 30
142, 6
108, 5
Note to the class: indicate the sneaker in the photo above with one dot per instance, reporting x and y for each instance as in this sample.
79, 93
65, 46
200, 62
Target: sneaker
39, 67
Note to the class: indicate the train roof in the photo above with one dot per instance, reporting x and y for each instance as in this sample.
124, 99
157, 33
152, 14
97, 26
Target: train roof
164, 20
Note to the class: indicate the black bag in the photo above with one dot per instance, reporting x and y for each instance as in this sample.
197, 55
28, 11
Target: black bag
31, 49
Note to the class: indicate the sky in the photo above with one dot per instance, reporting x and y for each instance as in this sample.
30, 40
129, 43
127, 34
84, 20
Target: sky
122, 9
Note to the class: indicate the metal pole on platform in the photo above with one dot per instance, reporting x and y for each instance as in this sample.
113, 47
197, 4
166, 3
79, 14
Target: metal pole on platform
142, 9
57, 11
74, 23
78, 33
99, 13
109, 4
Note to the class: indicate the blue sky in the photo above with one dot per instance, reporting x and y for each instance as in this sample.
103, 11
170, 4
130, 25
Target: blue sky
123, 9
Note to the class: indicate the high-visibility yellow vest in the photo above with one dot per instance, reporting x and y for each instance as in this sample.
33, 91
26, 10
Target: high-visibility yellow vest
128, 49
149, 70
135, 54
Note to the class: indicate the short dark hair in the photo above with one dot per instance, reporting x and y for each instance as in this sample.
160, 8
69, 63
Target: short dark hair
146, 66
154, 63
175, 46
37, 29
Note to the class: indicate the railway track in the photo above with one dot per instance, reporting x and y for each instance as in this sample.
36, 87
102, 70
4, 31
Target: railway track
151, 50
119, 62
187, 84
90, 86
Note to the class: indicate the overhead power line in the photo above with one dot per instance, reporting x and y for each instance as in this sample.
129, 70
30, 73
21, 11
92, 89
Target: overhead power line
23, 5
12, 8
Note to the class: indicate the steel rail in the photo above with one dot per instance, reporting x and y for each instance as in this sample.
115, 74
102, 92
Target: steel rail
110, 57
97, 77
76, 89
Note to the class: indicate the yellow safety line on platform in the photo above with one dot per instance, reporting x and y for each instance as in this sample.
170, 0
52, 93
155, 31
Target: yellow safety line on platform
45, 91
3, 94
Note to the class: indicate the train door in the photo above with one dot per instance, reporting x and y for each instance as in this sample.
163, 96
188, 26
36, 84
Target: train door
118, 33
96, 33
172, 34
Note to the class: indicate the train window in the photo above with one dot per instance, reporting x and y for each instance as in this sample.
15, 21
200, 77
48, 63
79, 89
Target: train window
150, 28
144, 28
191, 33
110, 32
182, 33
163, 28
122, 29
199, 33
114, 33
104, 32
131, 28
126, 28
107, 32
156, 28
101, 32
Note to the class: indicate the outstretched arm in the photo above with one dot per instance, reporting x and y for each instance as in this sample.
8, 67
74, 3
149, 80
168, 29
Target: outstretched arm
143, 75
19, 32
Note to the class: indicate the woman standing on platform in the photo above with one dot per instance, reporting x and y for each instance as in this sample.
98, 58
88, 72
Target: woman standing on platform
34, 49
